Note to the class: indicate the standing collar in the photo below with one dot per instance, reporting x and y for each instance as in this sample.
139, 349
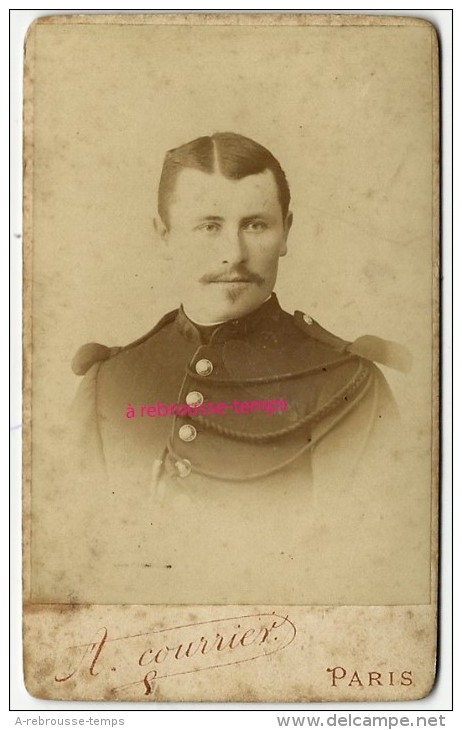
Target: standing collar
233, 328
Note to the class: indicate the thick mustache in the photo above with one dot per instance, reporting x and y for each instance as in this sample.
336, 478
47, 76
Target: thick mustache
237, 274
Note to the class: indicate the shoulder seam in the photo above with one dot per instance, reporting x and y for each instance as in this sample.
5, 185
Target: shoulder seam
90, 353
314, 331
166, 319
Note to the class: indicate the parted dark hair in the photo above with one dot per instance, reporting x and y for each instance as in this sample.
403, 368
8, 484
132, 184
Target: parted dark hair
231, 154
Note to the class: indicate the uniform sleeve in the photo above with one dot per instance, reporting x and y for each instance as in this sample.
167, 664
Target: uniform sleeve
360, 434
87, 446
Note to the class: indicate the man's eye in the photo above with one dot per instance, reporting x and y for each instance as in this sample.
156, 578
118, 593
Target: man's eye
255, 226
209, 227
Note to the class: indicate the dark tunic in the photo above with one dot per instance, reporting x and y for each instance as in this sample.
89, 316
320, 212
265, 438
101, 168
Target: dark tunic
308, 375
235, 506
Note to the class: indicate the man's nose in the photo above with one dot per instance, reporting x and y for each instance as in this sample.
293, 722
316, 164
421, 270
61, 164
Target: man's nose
234, 246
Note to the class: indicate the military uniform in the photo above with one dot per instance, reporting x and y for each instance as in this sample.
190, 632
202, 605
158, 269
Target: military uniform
269, 355
236, 479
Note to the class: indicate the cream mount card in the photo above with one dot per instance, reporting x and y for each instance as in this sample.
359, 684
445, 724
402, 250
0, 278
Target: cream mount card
231, 347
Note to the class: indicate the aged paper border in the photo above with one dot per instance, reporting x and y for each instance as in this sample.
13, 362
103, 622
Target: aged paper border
416, 623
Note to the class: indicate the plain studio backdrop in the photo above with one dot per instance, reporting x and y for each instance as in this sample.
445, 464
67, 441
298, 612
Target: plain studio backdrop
348, 112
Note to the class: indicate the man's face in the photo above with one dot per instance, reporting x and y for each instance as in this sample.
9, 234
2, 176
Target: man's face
225, 238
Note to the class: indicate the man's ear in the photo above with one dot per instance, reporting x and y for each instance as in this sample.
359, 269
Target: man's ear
160, 228
287, 226
162, 236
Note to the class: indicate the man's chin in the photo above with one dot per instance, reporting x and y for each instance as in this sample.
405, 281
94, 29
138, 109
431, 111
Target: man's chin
223, 301
237, 299
234, 291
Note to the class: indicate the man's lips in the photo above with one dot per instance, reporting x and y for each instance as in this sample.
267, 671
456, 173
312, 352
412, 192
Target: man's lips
237, 277
230, 281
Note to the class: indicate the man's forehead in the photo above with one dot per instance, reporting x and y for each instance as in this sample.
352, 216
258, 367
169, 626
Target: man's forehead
203, 193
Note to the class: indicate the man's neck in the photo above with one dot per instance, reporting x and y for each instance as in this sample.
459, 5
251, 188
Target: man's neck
203, 323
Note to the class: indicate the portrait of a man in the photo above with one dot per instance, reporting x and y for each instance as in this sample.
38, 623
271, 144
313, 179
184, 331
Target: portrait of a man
230, 354
224, 217
230, 404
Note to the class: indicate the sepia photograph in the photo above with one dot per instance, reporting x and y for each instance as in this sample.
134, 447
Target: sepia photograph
231, 348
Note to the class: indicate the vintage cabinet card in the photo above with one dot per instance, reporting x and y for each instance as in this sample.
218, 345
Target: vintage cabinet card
231, 357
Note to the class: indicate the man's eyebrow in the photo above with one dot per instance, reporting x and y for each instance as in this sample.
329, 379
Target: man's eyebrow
255, 216
209, 218
247, 219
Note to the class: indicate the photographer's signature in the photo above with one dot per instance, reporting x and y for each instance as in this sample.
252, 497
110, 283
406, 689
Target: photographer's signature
143, 659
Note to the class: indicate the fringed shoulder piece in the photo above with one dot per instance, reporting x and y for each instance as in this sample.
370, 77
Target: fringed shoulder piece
386, 352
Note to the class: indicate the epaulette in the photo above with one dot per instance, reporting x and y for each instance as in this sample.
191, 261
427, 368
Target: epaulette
386, 352
93, 352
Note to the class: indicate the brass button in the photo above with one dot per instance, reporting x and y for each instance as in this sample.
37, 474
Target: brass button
308, 320
183, 468
194, 398
204, 367
187, 432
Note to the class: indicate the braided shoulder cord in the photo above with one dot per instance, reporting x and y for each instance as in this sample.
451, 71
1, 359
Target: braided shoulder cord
359, 379
307, 447
274, 378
